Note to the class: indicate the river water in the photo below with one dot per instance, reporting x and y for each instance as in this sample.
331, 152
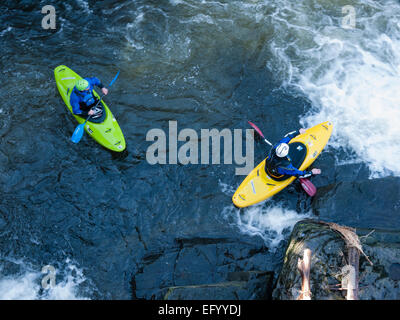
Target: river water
205, 64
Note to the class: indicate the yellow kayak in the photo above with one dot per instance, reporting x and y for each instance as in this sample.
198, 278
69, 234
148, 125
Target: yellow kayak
305, 148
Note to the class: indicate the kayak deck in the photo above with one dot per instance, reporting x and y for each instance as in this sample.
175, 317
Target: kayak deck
258, 186
107, 133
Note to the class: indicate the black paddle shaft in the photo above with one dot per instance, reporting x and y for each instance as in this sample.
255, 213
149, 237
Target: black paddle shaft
101, 98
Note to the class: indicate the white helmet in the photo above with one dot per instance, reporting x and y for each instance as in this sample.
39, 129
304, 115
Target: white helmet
282, 150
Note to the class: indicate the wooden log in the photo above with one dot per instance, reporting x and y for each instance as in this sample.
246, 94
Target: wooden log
304, 267
353, 277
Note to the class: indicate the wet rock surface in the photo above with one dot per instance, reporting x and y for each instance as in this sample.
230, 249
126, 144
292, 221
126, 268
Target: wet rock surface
394, 271
359, 203
201, 268
249, 285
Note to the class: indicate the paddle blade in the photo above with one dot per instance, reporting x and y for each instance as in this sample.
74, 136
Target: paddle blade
78, 133
256, 128
113, 80
308, 187
259, 132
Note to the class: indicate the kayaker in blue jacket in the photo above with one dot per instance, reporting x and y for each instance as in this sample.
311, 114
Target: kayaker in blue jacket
82, 99
279, 163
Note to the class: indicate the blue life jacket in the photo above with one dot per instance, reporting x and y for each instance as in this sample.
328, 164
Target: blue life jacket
84, 97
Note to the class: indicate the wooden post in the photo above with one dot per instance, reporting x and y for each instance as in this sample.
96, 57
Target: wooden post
304, 267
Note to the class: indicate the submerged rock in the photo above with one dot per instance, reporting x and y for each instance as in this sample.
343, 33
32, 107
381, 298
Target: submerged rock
377, 281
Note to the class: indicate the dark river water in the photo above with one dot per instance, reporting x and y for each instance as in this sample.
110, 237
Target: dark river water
96, 216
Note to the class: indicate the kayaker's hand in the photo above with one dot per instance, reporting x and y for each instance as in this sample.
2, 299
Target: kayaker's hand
302, 130
316, 171
91, 112
105, 91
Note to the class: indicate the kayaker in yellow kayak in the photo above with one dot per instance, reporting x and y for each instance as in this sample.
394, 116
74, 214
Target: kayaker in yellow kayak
82, 99
279, 164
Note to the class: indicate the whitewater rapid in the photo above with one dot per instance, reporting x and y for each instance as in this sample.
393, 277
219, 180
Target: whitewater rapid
27, 284
351, 76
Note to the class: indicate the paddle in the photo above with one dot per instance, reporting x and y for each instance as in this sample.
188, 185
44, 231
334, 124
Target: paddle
80, 129
306, 184
259, 132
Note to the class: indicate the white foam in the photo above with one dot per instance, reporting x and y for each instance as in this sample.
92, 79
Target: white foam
226, 188
3, 32
200, 19
272, 223
176, 2
27, 285
85, 6
24, 287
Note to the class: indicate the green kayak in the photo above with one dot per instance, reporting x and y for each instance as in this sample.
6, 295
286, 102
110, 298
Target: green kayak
107, 133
